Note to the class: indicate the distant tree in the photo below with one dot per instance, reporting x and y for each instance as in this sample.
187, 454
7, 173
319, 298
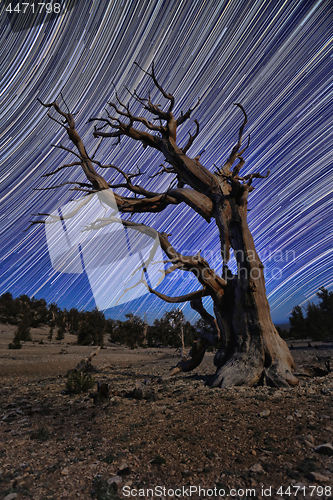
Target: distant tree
159, 333
39, 312
73, 320
297, 323
284, 334
171, 330
16, 344
9, 309
54, 312
92, 328
131, 331
25, 318
317, 322
112, 330
23, 330
61, 324
24, 322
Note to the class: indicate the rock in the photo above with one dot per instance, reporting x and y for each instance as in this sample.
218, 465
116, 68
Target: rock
307, 440
317, 477
326, 390
9, 416
264, 413
256, 468
142, 391
65, 471
315, 371
115, 481
11, 496
124, 470
325, 449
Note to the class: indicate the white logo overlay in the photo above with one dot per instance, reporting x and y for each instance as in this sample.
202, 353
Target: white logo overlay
119, 261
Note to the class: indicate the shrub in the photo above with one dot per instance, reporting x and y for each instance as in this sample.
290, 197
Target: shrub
79, 381
41, 434
16, 344
23, 331
101, 490
91, 328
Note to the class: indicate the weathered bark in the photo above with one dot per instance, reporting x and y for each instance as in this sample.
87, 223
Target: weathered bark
250, 349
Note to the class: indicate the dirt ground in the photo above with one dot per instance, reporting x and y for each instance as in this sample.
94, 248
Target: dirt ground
181, 440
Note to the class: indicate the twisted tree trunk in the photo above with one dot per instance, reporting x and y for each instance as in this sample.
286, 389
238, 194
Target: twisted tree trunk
252, 350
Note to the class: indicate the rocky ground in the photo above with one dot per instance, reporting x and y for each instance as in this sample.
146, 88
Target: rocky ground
172, 433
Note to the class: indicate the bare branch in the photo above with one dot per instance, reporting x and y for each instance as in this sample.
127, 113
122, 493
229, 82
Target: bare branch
60, 146
89, 191
170, 97
257, 175
234, 153
149, 106
182, 298
169, 270
96, 180
213, 283
98, 145
247, 145
134, 118
57, 218
184, 116
75, 163
191, 139
126, 129
166, 170
55, 120
197, 353
82, 184
197, 305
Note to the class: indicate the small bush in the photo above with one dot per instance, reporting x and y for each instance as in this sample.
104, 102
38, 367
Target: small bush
79, 381
158, 460
101, 490
41, 434
109, 458
16, 344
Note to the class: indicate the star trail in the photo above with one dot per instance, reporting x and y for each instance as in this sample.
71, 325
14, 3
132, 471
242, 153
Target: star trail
275, 57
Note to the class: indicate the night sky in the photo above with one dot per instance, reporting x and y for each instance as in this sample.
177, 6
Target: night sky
275, 57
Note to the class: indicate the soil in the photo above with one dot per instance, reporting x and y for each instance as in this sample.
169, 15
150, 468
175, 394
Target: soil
156, 431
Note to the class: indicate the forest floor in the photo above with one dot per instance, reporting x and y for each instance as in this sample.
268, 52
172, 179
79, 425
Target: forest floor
237, 443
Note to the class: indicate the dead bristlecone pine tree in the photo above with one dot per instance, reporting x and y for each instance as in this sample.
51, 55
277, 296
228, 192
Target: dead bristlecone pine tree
250, 350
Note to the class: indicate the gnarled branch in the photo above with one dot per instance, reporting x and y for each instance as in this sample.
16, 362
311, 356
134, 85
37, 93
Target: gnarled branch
191, 138
181, 298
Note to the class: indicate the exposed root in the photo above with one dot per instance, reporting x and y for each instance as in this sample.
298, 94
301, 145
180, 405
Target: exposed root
247, 370
197, 353
241, 369
275, 377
